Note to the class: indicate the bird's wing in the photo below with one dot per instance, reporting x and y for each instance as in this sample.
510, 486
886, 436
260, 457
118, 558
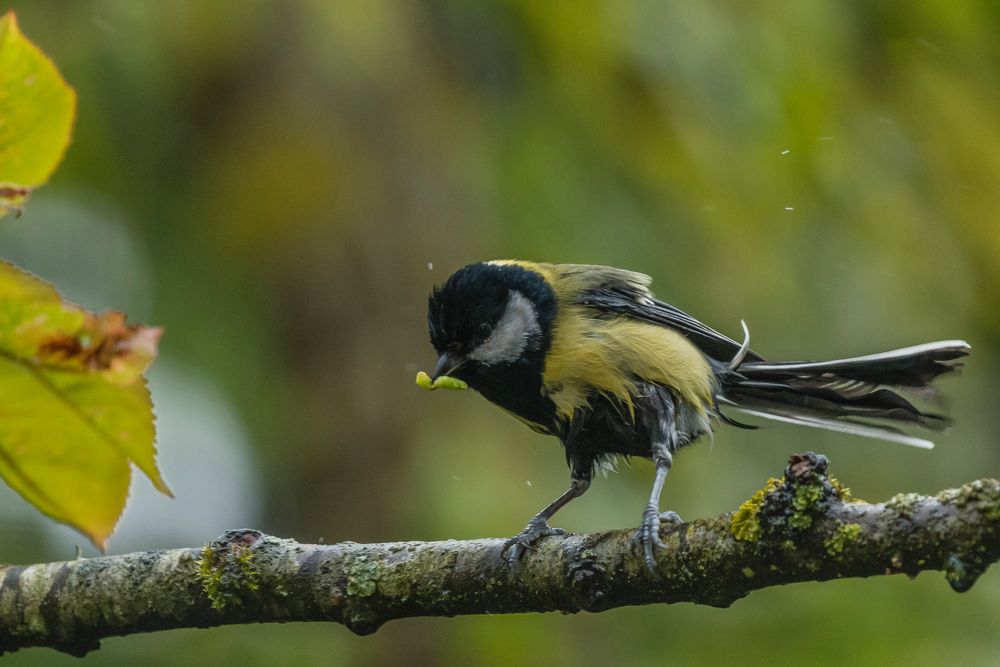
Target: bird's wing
626, 293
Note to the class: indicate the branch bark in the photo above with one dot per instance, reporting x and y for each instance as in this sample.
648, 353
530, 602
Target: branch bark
803, 527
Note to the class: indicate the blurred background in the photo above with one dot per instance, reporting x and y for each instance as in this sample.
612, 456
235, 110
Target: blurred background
280, 183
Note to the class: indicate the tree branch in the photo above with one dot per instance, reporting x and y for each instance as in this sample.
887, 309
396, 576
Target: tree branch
804, 527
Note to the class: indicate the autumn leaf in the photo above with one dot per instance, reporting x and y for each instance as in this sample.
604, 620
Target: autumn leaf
37, 108
74, 407
75, 412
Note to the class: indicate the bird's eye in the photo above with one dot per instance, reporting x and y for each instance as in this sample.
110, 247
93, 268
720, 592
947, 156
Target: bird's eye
484, 331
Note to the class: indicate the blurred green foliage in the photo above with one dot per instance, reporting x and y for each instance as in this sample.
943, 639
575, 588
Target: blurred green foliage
829, 171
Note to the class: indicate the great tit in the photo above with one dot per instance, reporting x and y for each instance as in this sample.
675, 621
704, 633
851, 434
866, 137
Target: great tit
589, 355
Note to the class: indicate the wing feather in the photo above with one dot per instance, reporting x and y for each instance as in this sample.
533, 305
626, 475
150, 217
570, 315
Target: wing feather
642, 305
626, 294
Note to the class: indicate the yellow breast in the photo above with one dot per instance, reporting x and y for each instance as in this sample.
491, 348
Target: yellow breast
610, 356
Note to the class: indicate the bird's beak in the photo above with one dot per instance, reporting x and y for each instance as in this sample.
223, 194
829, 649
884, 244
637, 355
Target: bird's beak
447, 363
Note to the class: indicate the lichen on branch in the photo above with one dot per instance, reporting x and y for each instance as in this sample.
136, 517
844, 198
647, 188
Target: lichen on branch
802, 527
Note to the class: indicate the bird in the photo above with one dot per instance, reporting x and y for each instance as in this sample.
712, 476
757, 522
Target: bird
588, 354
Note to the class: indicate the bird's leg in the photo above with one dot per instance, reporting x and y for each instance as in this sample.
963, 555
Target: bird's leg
538, 527
648, 534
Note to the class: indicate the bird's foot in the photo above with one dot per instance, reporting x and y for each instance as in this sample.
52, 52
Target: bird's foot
647, 537
525, 541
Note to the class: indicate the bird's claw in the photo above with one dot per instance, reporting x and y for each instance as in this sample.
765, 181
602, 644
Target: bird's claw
525, 541
647, 537
671, 517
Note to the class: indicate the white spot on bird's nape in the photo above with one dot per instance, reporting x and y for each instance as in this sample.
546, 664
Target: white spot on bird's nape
517, 328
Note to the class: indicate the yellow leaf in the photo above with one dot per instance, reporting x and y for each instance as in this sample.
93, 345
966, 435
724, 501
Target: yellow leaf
74, 407
37, 108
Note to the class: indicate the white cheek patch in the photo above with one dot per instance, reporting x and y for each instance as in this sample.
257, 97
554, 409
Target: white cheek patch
515, 330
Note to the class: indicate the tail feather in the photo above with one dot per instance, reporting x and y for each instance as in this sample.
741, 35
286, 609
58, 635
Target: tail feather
859, 395
914, 366
878, 431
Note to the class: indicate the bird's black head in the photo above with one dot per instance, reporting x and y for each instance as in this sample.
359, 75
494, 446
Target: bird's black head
490, 319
